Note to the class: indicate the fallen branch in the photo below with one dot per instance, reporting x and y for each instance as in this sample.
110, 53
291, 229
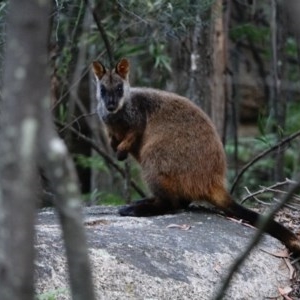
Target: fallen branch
273, 190
266, 189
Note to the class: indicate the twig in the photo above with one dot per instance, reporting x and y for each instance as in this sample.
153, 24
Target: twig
251, 195
264, 220
261, 155
75, 120
265, 189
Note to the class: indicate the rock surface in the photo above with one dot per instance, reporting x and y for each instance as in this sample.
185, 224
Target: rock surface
146, 258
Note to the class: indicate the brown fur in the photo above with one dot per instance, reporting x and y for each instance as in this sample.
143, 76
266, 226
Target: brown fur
178, 148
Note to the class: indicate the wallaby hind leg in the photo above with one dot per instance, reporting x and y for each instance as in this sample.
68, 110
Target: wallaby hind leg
151, 207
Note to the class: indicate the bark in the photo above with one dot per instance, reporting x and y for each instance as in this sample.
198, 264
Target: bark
218, 69
207, 65
25, 61
278, 94
200, 64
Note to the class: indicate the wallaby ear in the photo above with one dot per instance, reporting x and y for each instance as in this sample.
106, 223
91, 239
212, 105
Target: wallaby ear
122, 68
99, 69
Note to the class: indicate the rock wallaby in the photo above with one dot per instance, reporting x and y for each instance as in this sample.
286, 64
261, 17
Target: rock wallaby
176, 144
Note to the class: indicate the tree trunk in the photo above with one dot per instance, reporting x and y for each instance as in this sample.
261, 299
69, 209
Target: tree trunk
28, 134
200, 64
25, 61
278, 94
207, 65
218, 69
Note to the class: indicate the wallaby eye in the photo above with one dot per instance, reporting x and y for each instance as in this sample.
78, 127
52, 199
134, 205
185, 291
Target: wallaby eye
119, 90
102, 91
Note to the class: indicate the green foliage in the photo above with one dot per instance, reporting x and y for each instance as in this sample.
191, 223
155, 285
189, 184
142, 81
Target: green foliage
107, 197
62, 113
51, 295
144, 30
250, 32
103, 198
163, 18
293, 117
95, 162
259, 173
291, 47
162, 61
64, 61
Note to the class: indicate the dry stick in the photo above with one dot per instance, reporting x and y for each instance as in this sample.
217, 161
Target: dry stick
261, 155
272, 189
263, 223
253, 195
107, 158
265, 189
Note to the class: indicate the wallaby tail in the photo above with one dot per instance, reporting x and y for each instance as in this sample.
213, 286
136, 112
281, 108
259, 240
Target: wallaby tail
275, 229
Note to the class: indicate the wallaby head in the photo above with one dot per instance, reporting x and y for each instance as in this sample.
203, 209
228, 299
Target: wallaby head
112, 86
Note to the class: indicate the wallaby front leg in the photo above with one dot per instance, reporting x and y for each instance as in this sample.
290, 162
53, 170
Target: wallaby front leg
126, 144
114, 143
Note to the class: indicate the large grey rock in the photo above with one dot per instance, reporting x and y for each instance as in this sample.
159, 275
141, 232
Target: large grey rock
143, 258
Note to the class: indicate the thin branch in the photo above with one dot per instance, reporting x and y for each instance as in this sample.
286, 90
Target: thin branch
261, 155
102, 32
266, 189
253, 195
67, 126
264, 220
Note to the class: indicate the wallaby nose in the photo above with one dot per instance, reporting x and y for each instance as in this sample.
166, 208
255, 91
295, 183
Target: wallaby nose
111, 104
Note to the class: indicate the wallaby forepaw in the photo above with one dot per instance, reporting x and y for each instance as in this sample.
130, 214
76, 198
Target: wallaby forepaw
122, 155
